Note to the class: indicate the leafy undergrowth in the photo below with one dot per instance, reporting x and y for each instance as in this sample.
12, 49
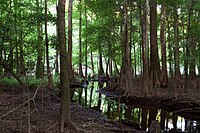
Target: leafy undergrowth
16, 117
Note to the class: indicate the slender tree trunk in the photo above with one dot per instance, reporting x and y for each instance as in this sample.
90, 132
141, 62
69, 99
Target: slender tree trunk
100, 74
80, 48
86, 52
170, 49
154, 58
164, 77
80, 42
65, 117
174, 119
145, 49
49, 75
92, 86
57, 49
71, 75
131, 32
56, 60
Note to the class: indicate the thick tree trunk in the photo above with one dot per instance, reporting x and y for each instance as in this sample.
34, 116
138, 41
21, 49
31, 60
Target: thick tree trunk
145, 47
164, 77
64, 79
192, 62
154, 58
193, 44
39, 66
126, 70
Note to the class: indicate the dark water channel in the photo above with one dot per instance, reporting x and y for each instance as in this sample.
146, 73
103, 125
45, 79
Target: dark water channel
110, 107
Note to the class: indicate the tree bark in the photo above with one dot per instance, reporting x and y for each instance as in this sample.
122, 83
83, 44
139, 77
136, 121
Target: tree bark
176, 52
169, 49
145, 47
164, 76
64, 79
39, 65
71, 75
154, 58
126, 70
80, 38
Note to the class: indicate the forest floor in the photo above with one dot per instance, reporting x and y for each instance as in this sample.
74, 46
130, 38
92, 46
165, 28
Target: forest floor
16, 116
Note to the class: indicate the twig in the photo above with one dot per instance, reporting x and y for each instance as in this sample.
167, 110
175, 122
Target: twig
22, 103
15, 108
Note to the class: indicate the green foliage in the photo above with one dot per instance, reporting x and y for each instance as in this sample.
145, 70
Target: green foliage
8, 81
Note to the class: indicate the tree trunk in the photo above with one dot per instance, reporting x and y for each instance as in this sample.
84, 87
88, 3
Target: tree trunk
64, 79
154, 58
80, 42
56, 60
80, 48
152, 116
174, 119
145, 47
192, 62
100, 74
86, 52
192, 42
163, 118
126, 70
92, 86
169, 49
49, 75
131, 33
71, 75
176, 52
164, 77
39, 65
144, 119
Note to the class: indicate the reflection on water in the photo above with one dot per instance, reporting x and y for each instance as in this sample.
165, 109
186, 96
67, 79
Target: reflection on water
181, 122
